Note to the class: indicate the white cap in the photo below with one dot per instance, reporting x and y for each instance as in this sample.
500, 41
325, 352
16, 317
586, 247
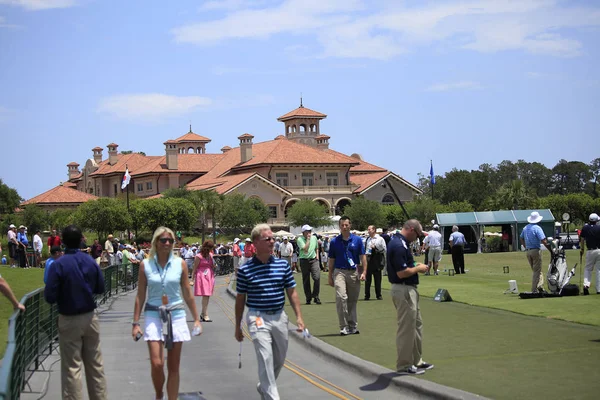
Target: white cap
436, 226
378, 230
248, 240
594, 217
306, 228
236, 240
12, 226
21, 226
285, 238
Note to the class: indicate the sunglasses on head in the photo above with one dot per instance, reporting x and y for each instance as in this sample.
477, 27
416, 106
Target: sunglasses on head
165, 240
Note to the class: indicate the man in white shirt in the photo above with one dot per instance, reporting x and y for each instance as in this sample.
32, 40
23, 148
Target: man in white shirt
110, 250
285, 250
13, 244
433, 242
375, 249
37, 247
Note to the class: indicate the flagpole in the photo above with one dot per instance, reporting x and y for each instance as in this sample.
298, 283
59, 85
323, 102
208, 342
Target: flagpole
127, 197
431, 178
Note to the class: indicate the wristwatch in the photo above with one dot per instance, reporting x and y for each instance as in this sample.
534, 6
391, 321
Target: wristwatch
135, 323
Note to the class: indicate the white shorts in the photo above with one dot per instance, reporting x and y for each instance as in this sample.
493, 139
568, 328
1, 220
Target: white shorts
294, 257
435, 254
153, 329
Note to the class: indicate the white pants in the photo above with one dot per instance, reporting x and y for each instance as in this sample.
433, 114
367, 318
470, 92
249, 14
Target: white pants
269, 333
592, 259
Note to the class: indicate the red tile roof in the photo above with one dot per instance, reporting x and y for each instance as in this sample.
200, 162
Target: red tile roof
302, 112
192, 137
227, 183
134, 161
170, 141
112, 145
279, 137
362, 166
186, 163
245, 135
225, 148
322, 137
69, 184
366, 181
61, 194
97, 148
73, 163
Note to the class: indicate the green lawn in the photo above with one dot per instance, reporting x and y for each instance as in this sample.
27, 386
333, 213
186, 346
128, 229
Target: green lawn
22, 281
489, 351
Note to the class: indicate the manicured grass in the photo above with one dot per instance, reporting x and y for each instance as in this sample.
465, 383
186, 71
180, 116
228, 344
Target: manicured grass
21, 281
488, 351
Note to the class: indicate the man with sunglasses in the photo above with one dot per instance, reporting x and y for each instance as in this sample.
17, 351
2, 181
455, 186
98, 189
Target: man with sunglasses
261, 283
403, 275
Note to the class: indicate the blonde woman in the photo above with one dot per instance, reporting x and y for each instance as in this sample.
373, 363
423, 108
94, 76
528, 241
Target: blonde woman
165, 278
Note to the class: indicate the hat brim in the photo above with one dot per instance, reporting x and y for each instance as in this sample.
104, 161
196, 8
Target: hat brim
534, 220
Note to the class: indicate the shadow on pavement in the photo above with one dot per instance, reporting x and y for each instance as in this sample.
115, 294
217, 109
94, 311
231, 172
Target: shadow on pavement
382, 382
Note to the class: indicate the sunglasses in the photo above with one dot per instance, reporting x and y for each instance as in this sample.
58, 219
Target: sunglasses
166, 240
268, 239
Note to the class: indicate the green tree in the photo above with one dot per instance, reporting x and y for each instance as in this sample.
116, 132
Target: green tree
394, 217
308, 212
60, 219
241, 214
103, 216
9, 199
425, 209
175, 213
34, 218
595, 171
514, 196
363, 212
578, 205
459, 206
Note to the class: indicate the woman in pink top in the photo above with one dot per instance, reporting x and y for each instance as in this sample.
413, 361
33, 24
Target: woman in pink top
204, 277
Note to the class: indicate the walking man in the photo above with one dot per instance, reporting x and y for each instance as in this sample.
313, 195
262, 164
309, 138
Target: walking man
403, 275
309, 264
347, 267
13, 246
433, 242
531, 237
590, 235
53, 240
236, 252
285, 250
375, 249
72, 282
261, 283
457, 243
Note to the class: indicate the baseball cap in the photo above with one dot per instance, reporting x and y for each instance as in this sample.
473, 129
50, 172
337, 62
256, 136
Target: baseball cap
285, 238
306, 228
378, 230
436, 226
11, 226
594, 217
236, 240
248, 240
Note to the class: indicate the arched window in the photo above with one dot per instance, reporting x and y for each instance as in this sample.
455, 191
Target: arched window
289, 129
388, 199
303, 129
190, 150
294, 128
313, 128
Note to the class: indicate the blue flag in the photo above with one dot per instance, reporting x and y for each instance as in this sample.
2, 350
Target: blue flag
431, 175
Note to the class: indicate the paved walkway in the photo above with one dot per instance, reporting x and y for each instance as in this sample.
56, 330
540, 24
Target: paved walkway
209, 364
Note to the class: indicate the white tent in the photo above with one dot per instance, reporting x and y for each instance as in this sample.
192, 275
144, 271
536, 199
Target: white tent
282, 233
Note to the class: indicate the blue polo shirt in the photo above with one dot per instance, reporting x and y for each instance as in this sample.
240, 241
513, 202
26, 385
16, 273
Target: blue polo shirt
265, 284
533, 235
399, 258
73, 281
341, 250
591, 234
21, 237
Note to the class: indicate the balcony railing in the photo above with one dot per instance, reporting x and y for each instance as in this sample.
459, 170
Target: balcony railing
345, 189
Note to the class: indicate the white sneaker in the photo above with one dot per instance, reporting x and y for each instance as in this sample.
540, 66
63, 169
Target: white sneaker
344, 332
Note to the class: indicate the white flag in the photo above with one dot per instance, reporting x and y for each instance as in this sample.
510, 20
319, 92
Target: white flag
126, 179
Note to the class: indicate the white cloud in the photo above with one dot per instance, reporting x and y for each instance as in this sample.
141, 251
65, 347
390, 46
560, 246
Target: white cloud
463, 85
35, 5
386, 29
150, 106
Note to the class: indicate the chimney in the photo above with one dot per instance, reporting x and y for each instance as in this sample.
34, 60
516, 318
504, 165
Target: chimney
171, 152
73, 169
112, 154
246, 146
225, 149
97, 154
322, 142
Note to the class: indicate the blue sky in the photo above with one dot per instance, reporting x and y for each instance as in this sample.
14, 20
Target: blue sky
402, 82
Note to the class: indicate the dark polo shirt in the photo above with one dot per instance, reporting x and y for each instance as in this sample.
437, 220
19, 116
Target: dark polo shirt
399, 257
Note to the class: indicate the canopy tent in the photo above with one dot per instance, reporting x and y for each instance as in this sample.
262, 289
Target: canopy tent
513, 221
283, 233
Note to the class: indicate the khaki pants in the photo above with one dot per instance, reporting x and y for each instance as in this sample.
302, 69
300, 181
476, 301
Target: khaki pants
270, 341
592, 261
79, 341
347, 289
534, 256
409, 335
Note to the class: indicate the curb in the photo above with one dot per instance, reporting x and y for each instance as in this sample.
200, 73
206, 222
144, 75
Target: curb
382, 377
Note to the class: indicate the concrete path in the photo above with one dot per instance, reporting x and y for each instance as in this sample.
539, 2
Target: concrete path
209, 365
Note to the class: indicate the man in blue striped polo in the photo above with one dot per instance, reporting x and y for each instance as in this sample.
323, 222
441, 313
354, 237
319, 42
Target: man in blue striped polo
531, 237
261, 282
